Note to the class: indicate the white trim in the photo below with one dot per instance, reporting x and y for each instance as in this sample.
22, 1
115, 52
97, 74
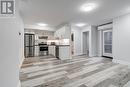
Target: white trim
104, 27
121, 62
78, 54
21, 62
100, 42
88, 29
19, 84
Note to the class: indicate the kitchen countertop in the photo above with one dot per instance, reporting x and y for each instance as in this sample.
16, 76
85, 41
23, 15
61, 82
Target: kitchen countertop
53, 45
58, 45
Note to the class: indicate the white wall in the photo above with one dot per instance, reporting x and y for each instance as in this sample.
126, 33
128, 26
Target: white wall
87, 40
99, 43
77, 40
86, 29
11, 50
85, 43
121, 38
92, 40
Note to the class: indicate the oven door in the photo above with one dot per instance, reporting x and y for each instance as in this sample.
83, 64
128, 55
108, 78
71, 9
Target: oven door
43, 50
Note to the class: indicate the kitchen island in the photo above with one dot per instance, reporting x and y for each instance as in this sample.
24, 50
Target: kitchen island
61, 52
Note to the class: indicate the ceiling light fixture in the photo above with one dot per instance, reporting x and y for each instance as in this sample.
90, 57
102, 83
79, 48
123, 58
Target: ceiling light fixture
42, 24
80, 24
88, 7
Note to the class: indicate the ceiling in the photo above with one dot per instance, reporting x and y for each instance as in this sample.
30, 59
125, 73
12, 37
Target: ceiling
57, 12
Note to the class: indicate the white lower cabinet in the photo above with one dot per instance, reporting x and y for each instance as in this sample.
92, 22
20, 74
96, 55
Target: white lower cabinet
36, 50
64, 52
51, 50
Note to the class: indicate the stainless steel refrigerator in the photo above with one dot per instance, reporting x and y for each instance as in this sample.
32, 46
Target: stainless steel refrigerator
29, 47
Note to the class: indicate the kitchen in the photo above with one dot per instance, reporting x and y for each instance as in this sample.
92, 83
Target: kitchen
45, 43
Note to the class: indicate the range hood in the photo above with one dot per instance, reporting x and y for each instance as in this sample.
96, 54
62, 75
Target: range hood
43, 37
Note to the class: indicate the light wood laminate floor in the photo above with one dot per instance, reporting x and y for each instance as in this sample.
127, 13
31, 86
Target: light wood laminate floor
80, 71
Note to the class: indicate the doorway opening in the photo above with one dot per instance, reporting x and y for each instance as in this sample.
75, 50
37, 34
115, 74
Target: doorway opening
72, 43
107, 43
86, 43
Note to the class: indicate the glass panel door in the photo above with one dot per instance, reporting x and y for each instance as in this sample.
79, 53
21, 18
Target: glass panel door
107, 43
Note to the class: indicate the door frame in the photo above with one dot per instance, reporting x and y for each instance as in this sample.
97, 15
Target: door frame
110, 55
87, 43
72, 43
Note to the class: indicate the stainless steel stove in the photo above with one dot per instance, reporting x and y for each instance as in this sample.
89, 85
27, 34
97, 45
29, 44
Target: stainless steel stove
43, 49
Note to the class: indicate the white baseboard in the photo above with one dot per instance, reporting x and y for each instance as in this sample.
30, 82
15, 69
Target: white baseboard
21, 62
121, 62
19, 84
78, 54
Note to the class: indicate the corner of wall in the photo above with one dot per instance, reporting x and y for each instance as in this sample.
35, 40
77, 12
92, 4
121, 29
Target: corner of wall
21, 62
121, 62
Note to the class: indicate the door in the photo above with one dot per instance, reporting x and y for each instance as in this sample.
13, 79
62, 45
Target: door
29, 45
29, 39
72, 43
107, 43
86, 43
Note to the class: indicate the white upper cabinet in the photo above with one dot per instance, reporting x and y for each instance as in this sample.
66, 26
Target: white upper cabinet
63, 33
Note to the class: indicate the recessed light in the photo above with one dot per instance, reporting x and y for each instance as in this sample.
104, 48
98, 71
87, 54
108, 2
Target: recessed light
88, 7
80, 24
42, 24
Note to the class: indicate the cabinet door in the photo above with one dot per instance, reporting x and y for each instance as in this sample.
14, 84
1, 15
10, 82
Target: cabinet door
64, 52
36, 50
52, 50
